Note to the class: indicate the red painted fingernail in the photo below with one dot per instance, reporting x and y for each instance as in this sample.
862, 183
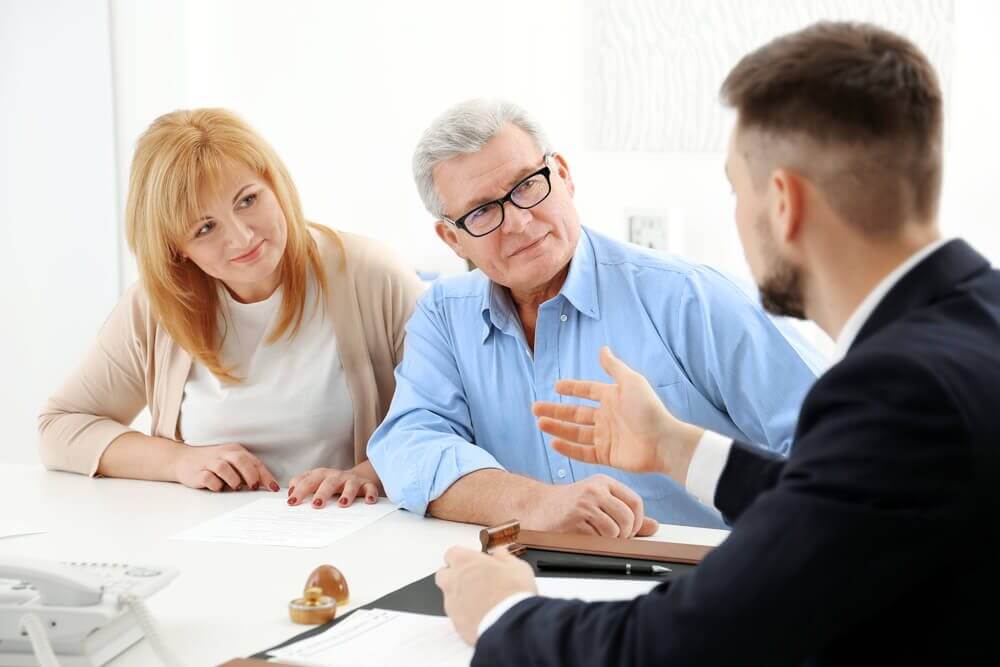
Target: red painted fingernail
371, 499
317, 503
290, 489
292, 501
343, 501
256, 485
274, 487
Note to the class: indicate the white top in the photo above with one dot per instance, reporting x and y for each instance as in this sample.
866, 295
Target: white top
293, 408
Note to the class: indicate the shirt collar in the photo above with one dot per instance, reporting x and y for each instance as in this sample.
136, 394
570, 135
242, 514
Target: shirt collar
868, 305
580, 290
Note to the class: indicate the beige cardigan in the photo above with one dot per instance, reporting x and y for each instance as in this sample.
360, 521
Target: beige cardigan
134, 362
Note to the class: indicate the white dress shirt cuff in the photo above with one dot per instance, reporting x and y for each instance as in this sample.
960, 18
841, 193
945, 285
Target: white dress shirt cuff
706, 466
502, 607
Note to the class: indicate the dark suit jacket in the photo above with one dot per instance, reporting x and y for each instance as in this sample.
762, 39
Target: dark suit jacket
875, 542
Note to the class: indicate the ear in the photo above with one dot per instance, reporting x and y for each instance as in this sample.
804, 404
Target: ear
787, 202
448, 233
562, 170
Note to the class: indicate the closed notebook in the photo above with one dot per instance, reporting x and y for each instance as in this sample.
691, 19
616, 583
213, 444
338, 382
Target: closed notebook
670, 552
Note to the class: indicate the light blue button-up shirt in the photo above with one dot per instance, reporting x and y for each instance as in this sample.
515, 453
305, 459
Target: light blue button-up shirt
468, 378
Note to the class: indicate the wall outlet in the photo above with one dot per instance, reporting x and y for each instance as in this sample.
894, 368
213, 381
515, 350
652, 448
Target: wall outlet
656, 230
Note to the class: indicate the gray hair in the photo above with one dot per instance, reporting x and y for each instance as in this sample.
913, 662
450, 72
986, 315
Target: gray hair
463, 129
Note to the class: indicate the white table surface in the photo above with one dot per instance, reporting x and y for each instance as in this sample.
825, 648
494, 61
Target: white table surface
230, 600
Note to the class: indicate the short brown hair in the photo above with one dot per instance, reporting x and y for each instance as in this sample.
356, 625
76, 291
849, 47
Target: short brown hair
854, 90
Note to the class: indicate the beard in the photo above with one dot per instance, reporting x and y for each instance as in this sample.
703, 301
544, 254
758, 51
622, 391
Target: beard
781, 288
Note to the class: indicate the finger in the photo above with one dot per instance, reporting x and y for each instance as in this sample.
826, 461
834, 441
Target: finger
587, 528
306, 487
649, 527
267, 480
621, 514
615, 367
330, 486
634, 502
585, 453
370, 490
350, 491
210, 481
578, 414
456, 556
602, 523
443, 577
588, 389
583, 435
246, 465
226, 473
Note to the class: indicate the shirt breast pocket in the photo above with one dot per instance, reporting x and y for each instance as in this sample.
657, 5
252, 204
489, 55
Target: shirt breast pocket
674, 396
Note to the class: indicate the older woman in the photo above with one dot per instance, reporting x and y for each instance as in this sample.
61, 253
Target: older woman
263, 345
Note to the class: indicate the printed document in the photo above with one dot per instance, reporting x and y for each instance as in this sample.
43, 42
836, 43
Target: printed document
272, 521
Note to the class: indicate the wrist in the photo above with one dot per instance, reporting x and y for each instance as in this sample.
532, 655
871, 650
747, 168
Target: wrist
530, 503
677, 449
176, 452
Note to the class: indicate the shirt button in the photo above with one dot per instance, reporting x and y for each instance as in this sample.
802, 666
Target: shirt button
563, 317
561, 473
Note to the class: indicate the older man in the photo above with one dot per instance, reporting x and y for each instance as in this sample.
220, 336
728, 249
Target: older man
460, 439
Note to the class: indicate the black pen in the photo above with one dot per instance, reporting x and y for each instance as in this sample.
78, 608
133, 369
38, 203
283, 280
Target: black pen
604, 568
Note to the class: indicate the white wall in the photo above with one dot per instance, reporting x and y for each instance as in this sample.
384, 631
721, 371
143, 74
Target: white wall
342, 90
58, 236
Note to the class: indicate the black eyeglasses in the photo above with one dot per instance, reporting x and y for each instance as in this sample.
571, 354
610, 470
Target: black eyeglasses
528, 193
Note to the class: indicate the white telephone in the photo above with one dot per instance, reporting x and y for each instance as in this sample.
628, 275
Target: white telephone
75, 613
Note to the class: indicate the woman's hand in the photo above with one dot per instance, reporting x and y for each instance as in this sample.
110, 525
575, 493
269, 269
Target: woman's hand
324, 483
220, 467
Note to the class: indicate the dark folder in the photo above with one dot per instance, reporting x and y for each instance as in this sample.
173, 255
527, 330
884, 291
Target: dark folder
424, 597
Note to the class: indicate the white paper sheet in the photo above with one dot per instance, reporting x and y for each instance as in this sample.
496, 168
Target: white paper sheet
15, 527
380, 637
272, 521
593, 590
709, 537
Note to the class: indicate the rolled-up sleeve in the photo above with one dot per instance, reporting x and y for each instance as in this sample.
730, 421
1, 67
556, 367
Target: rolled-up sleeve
426, 441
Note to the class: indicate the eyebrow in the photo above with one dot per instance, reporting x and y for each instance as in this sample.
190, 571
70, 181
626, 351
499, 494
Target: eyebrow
240, 191
236, 197
523, 174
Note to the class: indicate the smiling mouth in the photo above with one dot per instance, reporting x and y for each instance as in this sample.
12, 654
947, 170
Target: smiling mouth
529, 246
247, 256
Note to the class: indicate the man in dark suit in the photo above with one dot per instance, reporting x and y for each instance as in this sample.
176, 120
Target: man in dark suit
876, 540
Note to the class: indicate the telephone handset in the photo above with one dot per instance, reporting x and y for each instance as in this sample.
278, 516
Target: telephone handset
75, 613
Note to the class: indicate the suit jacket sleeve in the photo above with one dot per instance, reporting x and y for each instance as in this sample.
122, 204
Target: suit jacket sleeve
749, 471
873, 491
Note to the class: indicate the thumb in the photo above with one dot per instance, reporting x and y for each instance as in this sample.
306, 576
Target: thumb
649, 527
613, 366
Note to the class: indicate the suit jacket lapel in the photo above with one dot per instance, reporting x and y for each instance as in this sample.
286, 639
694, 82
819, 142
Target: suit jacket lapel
929, 281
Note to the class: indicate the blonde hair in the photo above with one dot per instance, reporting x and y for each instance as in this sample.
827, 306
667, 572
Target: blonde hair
181, 156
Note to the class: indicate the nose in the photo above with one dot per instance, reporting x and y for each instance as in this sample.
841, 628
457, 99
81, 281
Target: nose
515, 219
240, 233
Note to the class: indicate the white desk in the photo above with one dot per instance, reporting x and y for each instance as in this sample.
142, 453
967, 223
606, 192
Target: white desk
229, 600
